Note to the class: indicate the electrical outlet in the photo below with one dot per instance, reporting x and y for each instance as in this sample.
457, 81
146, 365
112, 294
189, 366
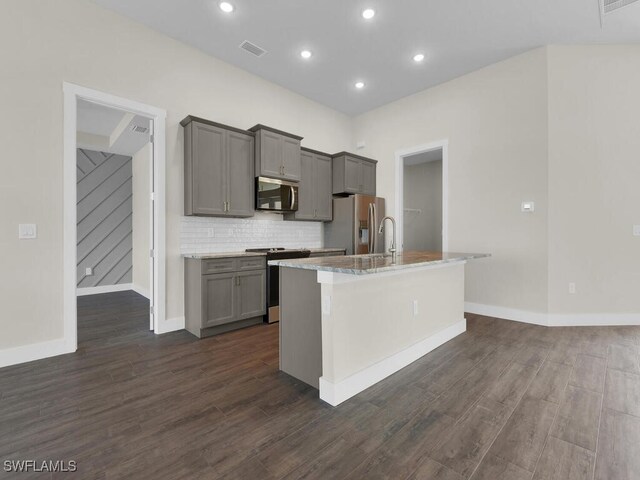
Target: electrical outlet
88, 271
572, 288
528, 207
326, 305
210, 232
415, 308
27, 231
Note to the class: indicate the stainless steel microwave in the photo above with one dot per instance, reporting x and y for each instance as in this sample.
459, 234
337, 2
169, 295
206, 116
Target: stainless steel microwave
276, 195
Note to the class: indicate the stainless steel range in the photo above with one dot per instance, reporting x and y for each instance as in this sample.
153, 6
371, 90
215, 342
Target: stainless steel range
273, 277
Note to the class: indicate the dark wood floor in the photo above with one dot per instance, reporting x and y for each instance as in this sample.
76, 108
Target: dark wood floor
502, 401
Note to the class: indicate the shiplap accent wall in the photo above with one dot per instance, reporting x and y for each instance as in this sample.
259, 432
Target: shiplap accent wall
104, 226
211, 234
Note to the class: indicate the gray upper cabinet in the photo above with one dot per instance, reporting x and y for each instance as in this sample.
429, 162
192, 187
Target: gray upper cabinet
353, 174
240, 172
315, 199
277, 154
218, 174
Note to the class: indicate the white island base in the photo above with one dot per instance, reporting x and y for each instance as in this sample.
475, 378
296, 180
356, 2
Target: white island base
344, 332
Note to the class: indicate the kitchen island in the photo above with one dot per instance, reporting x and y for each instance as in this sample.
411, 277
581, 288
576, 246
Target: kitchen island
348, 322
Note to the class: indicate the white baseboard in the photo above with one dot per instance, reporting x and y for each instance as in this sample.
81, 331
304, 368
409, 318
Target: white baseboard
171, 325
80, 292
141, 291
336, 393
554, 319
35, 351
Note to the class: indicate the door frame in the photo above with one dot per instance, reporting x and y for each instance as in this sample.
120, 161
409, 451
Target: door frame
72, 93
399, 198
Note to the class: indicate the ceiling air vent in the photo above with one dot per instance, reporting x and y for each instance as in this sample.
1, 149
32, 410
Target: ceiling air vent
252, 48
609, 6
139, 129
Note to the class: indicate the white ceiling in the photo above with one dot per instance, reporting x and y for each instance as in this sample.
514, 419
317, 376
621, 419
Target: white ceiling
110, 129
457, 36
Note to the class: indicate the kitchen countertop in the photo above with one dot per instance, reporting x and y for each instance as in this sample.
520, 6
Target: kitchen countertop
368, 264
204, 256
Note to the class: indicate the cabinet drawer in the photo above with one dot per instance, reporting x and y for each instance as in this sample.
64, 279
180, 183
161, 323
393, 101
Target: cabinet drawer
218, 265
251, 263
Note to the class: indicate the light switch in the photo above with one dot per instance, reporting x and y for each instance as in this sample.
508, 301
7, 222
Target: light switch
528, 207
636, 230
27, 231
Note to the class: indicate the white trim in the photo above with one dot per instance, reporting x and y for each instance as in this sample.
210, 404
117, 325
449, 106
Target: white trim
336, 393
399, 196
141, 291
81, 292
34, 351
554, 319
158, 116
171, 325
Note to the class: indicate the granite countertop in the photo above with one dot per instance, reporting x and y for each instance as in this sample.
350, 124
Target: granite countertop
203, 256
368, 264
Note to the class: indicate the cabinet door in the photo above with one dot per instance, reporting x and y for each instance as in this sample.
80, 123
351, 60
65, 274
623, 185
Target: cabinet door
369, 178
219, 304
306, 194
240, 179
323, 188
352, 175
252, 293
291, 159
208, 172
269, 154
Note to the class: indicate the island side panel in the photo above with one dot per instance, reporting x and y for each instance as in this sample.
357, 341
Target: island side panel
300, 325
371, 330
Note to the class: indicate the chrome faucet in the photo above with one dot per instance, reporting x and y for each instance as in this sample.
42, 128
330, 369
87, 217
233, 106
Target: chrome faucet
393, 249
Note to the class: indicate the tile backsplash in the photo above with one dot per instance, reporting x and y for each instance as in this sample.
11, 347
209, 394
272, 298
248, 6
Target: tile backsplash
212, 234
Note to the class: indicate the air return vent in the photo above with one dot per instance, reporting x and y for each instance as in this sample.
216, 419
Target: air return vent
252, 48
609, 6
139, 129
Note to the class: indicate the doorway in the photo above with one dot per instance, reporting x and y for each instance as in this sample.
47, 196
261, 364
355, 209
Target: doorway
114, 157
422, 197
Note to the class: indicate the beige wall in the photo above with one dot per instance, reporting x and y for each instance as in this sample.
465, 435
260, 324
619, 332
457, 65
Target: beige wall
141, 218
77, 41
495, 120
422, 186
594, 179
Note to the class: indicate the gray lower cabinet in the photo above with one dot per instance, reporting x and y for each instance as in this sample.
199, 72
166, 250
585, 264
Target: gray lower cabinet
315, 192
353, 174
277, 154
223, 294
219, 169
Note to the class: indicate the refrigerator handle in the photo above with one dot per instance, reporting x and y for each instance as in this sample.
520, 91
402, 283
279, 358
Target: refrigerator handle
375, 227
370, 228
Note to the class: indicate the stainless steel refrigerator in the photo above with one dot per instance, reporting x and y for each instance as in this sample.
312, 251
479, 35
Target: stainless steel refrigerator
355, 225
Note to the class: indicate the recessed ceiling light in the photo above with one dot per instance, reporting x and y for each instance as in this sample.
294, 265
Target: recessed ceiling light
359, 85
418, 57
226, 7
368, 14
305, 54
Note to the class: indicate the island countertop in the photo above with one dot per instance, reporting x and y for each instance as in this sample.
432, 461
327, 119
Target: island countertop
377, 263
